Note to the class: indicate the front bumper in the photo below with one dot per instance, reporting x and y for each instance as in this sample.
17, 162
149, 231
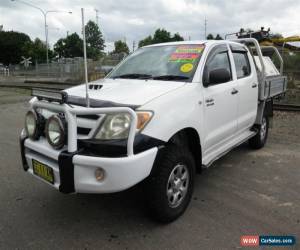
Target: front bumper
74, 172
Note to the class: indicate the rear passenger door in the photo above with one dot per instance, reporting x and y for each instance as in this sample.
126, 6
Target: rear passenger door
247, 86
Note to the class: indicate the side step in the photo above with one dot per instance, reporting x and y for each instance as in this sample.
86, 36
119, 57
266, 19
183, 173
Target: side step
231, 145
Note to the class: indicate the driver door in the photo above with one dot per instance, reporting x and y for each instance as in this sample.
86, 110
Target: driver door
220, 101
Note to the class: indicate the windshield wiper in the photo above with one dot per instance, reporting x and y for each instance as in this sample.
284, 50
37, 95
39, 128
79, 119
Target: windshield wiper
146, 76
134, 76
170, 77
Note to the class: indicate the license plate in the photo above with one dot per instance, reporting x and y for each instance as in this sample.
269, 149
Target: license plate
43, 171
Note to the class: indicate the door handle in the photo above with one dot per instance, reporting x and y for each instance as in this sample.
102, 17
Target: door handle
209, 100
254, 85
234, 91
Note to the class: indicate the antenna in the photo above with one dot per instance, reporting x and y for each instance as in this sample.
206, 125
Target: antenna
85, 61
97, 16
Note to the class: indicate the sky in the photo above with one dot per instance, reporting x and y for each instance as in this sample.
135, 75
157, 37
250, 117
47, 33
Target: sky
133, 20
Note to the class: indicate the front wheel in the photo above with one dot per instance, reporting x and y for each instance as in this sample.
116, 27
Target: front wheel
259, 140
170, 189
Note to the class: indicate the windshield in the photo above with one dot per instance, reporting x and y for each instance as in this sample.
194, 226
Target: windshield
169, 62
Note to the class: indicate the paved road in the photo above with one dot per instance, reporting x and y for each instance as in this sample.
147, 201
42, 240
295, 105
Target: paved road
245, 192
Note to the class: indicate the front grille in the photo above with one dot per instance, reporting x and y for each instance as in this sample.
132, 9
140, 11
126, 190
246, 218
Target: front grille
86, 124
91, 117
83, 131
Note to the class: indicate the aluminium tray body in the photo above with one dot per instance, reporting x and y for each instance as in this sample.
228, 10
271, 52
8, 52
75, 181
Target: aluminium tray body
272, 86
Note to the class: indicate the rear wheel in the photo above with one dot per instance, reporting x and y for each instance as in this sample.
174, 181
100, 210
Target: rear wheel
170, 188
259, 140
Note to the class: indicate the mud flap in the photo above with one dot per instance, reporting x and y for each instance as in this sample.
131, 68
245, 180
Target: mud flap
260, 112
264, 108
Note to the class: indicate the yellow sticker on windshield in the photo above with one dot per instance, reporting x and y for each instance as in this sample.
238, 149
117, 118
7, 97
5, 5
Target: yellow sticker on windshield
187, 67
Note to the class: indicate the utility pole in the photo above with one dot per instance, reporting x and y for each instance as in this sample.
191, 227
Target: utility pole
205, 28
133, 46
97, 16
85, 60
44, 13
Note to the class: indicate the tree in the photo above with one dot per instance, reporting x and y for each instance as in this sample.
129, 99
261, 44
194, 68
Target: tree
210, 37
146, 41
13, 47
59, 48
94, 39
218, 37
120, 47
74, 46
177, 37
71, 46
160, 36
37, 51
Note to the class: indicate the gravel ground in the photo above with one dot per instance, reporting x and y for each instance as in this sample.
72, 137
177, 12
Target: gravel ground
244, 193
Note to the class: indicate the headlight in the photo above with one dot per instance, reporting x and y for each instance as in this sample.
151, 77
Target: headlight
117, 126
33, 124
55, 132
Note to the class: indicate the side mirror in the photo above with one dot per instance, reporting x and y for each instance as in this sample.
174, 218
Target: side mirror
217, 76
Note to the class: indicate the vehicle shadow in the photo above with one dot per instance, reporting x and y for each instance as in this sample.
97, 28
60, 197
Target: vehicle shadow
128, 207
122, 218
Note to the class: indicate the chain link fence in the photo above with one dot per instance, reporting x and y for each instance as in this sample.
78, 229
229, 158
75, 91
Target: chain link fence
69, 70
291, 69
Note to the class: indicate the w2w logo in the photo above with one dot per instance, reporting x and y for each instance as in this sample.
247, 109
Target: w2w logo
250, 240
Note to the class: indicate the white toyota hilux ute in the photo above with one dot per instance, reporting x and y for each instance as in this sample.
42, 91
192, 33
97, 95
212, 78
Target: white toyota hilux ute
164, 112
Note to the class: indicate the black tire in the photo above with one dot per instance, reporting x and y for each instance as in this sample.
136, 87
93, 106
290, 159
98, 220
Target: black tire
259, 140
160, 185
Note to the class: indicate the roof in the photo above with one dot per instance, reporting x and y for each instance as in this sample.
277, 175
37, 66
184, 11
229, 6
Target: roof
207, 42
185, 42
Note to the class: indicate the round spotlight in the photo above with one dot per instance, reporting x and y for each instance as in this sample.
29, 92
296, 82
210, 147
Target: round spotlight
55, 132
33, 124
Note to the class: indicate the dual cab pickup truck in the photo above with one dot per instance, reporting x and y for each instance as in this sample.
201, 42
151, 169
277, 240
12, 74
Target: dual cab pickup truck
163, 113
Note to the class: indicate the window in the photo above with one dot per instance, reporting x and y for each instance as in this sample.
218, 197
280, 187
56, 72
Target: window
217, 61
242, 64
166, 62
